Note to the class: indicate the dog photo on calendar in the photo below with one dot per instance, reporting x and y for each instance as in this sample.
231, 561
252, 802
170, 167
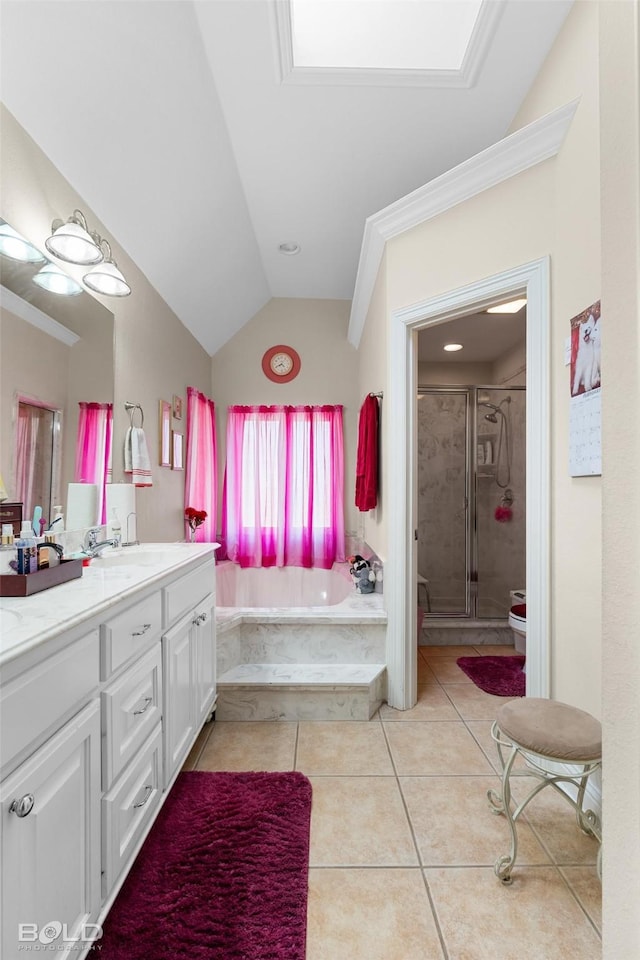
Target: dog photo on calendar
585, 350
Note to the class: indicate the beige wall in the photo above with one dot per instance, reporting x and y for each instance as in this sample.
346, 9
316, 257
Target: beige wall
552, 209
444, 374
511, 368
620, 171
372, 377
155, 355
317, 330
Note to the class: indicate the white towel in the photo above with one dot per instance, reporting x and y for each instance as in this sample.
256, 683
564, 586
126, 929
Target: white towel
136, 457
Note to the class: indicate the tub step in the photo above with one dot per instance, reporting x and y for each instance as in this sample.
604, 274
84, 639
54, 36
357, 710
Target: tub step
301, 691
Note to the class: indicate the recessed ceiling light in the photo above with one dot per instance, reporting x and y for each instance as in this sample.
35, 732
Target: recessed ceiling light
511, 307
452, 347
290, 249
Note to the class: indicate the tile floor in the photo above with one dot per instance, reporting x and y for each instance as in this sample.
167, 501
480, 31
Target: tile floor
403, 842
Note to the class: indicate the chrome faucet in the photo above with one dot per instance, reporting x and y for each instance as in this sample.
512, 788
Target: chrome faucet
92, 546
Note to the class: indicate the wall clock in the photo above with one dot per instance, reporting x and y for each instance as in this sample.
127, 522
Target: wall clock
281, 363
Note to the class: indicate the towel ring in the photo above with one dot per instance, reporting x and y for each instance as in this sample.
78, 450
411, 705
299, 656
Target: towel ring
132, 407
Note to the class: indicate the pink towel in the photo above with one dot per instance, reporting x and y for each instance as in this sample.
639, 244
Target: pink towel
136, 457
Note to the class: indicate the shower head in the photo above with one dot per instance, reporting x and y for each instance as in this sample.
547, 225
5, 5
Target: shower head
491, 417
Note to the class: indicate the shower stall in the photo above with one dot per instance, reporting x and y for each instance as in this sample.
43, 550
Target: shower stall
471, 456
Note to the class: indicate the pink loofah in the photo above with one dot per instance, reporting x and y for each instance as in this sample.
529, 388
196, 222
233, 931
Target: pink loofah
503, 514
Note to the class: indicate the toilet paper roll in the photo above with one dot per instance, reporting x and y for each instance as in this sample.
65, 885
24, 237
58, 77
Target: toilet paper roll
82, 506
121, 497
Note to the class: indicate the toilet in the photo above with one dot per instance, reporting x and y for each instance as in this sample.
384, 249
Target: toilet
518, 620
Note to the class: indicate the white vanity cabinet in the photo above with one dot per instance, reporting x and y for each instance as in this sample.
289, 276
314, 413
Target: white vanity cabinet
50, 863
189, 663
96, 718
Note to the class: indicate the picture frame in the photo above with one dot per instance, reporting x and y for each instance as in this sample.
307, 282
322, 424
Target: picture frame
177, 407
177, 451
165, 434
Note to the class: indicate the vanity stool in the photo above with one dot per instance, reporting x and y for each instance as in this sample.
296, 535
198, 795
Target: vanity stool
424, 586
545, 733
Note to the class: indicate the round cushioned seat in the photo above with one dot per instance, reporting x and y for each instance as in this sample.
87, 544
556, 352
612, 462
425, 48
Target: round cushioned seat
551, 729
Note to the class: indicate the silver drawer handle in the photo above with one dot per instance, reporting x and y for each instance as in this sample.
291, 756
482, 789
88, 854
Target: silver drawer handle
147, 702
23, 806
148, 790
139, 633
199, 619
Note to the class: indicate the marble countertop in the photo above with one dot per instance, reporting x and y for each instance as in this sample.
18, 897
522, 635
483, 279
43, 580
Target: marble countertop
27, 622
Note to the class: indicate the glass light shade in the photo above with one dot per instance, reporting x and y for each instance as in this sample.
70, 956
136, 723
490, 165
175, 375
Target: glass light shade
72, 243
108, 280
55, 280
15, 247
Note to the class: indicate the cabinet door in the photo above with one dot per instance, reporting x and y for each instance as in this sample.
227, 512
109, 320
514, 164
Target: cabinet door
51, 849
179, 714
204, 657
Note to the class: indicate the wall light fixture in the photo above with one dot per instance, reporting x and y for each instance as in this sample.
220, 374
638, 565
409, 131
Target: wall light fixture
16, 247
55, 280
73, 242
106, 278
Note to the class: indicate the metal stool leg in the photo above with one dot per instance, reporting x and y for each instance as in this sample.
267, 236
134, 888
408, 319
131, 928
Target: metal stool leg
502, 805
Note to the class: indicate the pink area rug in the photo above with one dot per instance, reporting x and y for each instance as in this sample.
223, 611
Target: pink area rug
501, 676
223, 874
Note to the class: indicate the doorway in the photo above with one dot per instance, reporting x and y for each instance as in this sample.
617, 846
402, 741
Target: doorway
531, 281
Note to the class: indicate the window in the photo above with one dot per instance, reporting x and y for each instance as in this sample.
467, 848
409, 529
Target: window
284, 499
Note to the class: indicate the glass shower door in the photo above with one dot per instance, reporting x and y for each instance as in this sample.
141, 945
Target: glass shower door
500, 542
443, 504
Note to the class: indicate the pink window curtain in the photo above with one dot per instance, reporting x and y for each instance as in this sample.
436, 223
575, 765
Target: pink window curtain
284, 486
201, 479
93, 449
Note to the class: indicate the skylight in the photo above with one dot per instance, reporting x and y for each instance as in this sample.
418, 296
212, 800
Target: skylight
382, 34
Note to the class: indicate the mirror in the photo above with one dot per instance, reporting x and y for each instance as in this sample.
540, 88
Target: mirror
52, 367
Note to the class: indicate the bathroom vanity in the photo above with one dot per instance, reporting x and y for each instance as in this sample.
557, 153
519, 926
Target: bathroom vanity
106, 682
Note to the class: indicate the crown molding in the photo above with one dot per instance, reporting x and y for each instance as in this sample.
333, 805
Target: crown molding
33, 315
538, 141
480, 40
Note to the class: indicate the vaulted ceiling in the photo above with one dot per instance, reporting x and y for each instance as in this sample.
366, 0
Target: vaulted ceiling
172, 121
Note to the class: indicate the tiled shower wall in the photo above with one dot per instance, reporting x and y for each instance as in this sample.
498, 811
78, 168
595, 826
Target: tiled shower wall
442, 456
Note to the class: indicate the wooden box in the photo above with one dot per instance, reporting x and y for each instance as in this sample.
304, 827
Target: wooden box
23, 585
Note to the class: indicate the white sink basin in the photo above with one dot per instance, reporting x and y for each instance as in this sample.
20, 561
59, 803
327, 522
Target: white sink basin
142, 555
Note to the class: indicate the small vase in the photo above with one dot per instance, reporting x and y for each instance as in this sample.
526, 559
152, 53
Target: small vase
192, 534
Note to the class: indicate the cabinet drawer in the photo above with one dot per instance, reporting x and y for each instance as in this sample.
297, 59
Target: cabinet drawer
131, 708
34, 701
185, 593
128, 807
129, 633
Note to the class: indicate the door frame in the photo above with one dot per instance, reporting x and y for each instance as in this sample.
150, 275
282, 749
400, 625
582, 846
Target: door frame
532, 280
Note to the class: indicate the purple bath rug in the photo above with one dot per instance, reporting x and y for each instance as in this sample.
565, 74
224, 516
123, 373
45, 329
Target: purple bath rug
501, 676
223, 874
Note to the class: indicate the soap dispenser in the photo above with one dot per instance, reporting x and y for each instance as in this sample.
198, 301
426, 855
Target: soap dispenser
116, 529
